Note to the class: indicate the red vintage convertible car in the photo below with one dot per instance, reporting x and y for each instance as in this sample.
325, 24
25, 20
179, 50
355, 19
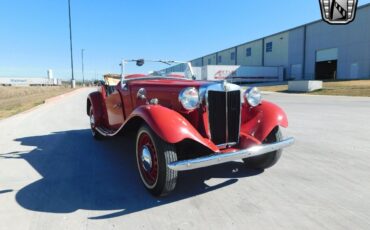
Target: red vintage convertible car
184, 124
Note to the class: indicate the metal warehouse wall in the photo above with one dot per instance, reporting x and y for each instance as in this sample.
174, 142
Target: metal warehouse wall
297, 49
352, 41
224, 57
197, 62
210, 59
279, 53
296, 53
255, 58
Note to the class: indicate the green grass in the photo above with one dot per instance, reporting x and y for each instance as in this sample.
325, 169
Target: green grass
338, 88
14, 100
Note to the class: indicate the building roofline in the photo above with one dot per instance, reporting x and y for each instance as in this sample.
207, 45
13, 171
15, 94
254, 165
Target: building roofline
284, 31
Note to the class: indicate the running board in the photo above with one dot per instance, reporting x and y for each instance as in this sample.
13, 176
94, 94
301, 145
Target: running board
107, 132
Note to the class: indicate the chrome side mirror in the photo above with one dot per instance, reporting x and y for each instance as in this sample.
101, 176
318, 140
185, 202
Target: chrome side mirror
140, 62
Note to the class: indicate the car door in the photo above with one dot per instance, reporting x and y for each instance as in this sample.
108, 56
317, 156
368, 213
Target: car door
125, 91
115, 109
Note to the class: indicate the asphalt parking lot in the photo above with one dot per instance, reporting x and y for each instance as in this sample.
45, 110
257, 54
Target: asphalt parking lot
53, 175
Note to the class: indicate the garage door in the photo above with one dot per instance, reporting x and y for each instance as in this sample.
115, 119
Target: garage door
327, 55
326, 64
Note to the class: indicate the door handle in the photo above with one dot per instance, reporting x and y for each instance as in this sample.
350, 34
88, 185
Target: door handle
117, 106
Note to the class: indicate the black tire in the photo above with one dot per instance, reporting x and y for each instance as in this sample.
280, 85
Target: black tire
267, 160
162, 153
94, 132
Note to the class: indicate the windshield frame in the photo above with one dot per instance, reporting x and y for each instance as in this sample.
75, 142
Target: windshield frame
151, 76
156, 73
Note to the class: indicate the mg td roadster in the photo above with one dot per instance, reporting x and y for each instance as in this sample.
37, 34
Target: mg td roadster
184, 124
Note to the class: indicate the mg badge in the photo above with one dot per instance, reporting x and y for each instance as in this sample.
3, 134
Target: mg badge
338, 11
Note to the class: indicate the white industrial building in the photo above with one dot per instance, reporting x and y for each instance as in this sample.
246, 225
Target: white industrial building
31, 81
315, 50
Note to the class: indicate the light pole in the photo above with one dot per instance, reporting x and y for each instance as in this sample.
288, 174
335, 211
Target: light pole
73, 82
83, 74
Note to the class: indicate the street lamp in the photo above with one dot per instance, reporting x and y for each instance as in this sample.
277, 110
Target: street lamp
73, 82
83, 74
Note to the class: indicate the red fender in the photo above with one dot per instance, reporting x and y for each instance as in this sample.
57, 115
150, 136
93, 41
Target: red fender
96, 101
259, 121
169, 125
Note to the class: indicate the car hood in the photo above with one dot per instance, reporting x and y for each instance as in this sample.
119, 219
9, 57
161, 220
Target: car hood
165, 90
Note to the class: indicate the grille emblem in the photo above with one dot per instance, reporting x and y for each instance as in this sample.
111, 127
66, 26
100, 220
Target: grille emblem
226, 86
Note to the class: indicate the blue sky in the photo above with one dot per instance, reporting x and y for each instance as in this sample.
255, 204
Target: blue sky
34, 35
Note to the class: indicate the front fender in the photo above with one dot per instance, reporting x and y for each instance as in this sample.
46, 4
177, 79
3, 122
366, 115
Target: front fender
169, 125
261, 120
96, 101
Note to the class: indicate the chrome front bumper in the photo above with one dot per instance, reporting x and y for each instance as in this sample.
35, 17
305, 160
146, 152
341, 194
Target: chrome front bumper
220, 158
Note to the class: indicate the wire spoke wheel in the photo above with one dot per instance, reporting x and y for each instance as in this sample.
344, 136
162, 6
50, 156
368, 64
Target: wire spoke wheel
148, 160
152, 156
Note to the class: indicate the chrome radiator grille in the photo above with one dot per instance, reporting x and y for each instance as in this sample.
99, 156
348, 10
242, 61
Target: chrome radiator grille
224, 116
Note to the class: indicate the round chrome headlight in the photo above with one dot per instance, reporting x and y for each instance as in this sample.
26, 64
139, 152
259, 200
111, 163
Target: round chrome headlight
253, 96
189, 98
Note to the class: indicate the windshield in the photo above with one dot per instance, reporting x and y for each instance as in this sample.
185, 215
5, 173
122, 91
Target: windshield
177, 69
